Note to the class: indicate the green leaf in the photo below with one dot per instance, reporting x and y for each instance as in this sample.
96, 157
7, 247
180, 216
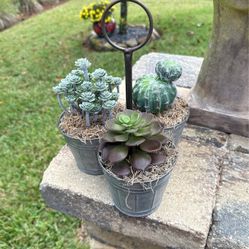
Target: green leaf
156, 128
148, 118
112, 126
124, 119
132, 130
108, 137
143, 132
121, 169
135, 117
134, 141
140, 160
151, 146
160, 137
121, 137
118, 153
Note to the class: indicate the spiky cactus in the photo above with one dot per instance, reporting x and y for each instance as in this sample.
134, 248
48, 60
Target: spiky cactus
155, 93
92, 94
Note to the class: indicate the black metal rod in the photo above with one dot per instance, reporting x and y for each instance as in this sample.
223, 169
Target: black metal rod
128, 78
128, 52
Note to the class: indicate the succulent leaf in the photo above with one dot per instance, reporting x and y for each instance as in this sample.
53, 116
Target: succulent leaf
118, 153
134, 141
100, 86
120, 137
87, 97
109, 104
105, 96
121, 169
98, 74
156, 128
86, 86
108, 137
117, 81
106, 151
82, 63
151, 146
115, 96
87, 106
112, 126
140, 160
157, 158
160, 137
146, 131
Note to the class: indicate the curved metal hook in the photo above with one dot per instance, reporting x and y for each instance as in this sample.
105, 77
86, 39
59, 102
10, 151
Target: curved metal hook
127, 50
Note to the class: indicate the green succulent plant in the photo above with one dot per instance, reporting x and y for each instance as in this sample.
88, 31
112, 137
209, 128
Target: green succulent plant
155, 93
93, 93
132, 140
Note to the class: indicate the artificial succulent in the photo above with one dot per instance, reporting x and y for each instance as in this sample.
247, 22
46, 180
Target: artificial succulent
155, 93
133, 141
92, 94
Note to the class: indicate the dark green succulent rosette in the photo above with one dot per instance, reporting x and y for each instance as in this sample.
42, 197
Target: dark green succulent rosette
133, 142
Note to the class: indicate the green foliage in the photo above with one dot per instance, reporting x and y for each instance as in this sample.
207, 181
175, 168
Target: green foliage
34, 55
7, 7
95, 11
156, 93
133, 139
88, 92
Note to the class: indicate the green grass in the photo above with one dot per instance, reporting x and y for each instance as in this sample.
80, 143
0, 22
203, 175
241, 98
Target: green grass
33, 56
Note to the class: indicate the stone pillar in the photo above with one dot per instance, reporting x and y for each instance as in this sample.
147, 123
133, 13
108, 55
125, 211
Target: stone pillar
220, 99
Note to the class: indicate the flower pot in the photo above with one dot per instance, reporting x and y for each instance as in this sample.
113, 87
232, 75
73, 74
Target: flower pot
174, 133
110, 28
136, 200
85, 154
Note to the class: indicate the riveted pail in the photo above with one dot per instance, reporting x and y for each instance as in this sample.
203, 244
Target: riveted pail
175, 132
137, 200
85, 154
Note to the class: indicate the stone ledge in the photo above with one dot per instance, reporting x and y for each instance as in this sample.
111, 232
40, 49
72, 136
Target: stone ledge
230, 229
191, 66
183, 219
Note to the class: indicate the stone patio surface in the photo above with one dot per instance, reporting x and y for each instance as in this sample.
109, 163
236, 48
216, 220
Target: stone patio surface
205, 205
184, 218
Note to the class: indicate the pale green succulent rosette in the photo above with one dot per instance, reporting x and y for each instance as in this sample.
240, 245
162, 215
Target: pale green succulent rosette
89, 93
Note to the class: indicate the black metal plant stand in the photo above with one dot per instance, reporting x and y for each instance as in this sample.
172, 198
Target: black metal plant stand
128, 52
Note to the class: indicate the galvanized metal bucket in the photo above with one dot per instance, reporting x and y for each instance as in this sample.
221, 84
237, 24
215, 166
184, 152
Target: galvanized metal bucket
136, 200
174, 133
85, 154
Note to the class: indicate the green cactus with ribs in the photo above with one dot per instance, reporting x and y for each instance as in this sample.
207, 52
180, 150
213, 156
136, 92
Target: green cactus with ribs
155, 93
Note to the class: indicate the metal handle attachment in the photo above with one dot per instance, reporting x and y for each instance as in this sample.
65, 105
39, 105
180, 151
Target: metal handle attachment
127, 51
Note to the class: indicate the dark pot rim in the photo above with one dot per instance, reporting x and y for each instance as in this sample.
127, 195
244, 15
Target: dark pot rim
179, 124
69, 136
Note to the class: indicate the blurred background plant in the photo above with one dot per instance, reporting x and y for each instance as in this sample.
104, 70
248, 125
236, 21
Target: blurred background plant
12, 11
94, 11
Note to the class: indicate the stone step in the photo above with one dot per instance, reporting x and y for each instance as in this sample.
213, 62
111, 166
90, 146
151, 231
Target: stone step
182, 221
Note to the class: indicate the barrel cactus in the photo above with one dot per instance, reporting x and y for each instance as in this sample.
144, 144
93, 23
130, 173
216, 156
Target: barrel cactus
155, 93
